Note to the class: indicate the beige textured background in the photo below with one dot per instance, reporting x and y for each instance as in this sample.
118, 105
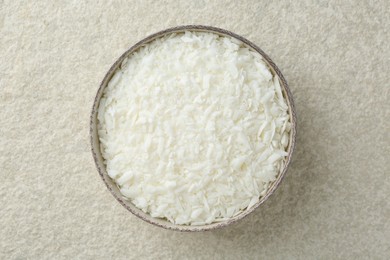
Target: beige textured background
334, 202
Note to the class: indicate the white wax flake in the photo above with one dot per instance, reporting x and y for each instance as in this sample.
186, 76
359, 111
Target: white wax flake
194, 128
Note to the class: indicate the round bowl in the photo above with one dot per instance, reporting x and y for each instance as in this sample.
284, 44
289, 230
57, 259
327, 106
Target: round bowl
112, 187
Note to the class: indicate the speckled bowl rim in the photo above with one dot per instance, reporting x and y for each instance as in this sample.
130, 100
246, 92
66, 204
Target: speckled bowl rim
95, 144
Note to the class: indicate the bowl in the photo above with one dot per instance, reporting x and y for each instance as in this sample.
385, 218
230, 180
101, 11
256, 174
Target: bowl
95, 144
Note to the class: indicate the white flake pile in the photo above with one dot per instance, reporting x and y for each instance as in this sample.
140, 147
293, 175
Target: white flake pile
193, 128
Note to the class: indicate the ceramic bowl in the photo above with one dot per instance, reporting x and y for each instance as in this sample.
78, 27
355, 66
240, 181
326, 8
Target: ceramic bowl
112, 187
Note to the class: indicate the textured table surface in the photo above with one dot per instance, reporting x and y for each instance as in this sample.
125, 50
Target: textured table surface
335, 200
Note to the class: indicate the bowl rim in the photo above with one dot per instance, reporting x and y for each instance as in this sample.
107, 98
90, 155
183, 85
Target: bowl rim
95, 143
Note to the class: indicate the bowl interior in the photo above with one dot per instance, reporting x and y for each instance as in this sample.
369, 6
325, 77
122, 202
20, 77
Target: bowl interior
96, 144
